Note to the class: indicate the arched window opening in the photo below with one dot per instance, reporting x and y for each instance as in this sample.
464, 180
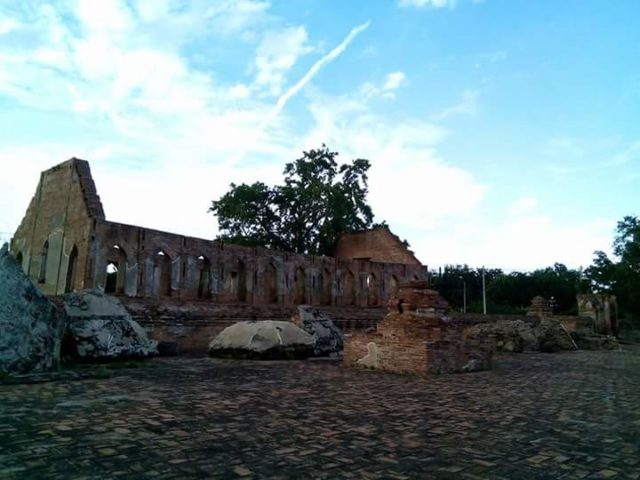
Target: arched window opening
70, 281
111, 280
271, 284
372, 290
299, 286
349, 289
42, 277
116, 270
393, 284
326, 282
162, 273
242, 281
204, 279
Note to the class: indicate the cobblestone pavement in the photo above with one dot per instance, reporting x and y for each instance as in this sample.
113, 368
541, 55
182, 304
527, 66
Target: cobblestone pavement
570, 415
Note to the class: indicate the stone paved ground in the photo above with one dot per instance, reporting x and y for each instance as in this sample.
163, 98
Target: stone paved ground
571, 415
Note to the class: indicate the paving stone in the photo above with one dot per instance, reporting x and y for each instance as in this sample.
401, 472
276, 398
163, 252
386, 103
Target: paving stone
536, 416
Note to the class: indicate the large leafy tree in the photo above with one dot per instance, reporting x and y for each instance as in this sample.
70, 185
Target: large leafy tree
620, 275
318, 201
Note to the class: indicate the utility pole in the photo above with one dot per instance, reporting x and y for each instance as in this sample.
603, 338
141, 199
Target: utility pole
484, 294
464, 296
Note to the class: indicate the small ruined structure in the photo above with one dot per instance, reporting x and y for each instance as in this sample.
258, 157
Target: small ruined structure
418, 337
602, 309
540, 307
30, 327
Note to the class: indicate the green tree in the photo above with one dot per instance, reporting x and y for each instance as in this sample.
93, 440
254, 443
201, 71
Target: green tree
620, 276
318, 202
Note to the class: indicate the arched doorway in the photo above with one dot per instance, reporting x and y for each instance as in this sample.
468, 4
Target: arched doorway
44, 257
349, 288
111, 277
372, 290
242, 281
162, 274
19, 259
393, 284
271, 284
116, 271
70, 280
204, 278
326, 284
299, 286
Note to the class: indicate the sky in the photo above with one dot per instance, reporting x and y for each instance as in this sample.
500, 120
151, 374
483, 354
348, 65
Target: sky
500, 133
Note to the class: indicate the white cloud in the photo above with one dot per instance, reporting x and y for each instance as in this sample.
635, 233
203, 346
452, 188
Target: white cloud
386, 89
277, 53
408, 179
426, 3
468, 104
8, 24
393, 81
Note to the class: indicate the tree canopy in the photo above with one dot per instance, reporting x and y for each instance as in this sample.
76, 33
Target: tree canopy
509, 293
318, 201
621, 275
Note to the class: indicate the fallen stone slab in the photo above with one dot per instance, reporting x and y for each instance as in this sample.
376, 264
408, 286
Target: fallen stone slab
328, 337
100, 328
30, 327
262, 340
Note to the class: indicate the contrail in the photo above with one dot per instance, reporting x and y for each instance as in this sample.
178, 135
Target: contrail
315, 68
299, 85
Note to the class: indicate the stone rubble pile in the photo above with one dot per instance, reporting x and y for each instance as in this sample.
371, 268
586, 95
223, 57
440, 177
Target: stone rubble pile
100, 328
328, 338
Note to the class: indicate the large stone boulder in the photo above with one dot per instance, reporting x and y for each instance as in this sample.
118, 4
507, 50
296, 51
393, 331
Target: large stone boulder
100, 328
30, 327
328, 337
263, 340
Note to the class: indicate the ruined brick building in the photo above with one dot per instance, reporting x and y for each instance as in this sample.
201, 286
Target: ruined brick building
64, 243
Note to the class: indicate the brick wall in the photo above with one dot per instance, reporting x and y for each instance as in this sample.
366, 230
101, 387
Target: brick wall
53, 238
66, 214
410, 343
377, 244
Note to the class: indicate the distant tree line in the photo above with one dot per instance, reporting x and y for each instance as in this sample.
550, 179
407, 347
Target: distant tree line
511, 293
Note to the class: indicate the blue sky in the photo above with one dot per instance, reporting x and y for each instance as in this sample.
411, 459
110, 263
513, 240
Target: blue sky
503, 133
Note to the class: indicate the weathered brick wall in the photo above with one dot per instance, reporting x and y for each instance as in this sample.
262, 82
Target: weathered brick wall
66, 211
377, 244
193, 324
52, 239
197, 268
395, 354
406, 343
